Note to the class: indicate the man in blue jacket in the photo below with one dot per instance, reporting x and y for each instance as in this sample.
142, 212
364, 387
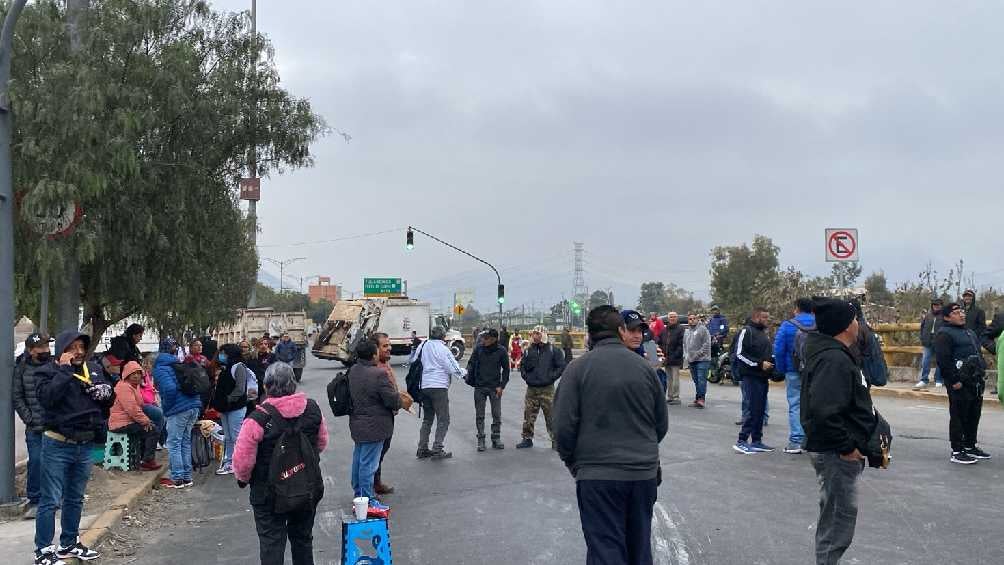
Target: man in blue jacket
789, 360
718, 327
181, 410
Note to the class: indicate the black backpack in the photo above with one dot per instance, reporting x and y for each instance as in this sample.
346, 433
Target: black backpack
339, 395
873, 362
798, 348
294, 471
413, 381
193, 380
202, 449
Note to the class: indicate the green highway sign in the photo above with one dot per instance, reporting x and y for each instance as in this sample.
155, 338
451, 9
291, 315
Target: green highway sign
381, 287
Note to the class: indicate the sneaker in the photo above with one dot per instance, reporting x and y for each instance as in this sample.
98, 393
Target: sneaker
674, 402
939, 385
921, 385
441, 454
150, 466
525, 444
760, 447
377, 505
30, 512
962, 458
699, 403
497, 444
187, 483
47, 556
166, 482
743, 447
225, 470
977, 453
793, 448
481, 444
77, 551
423, 453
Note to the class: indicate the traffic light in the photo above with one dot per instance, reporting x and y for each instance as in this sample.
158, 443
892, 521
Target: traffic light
410, 242
501, 294
576, 309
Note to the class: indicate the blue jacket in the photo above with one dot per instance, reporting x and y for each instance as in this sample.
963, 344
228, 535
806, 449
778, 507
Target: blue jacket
286, 352
173, 401
784, 341
718, 326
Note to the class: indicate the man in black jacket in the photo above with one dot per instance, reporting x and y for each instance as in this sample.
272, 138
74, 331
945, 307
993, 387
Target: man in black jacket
963, 369
929, 327
73, 392
754, 354
37, 357
609, 419
838, 418
671, 343
488, 373
541, 367
976, 319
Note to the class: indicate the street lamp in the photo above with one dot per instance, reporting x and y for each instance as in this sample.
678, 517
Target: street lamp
282, 266
410, 244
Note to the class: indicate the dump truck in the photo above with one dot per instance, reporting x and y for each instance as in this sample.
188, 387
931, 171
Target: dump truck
352, 321
255, 322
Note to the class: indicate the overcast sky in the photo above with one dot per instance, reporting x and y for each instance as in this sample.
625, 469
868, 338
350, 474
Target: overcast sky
650, 131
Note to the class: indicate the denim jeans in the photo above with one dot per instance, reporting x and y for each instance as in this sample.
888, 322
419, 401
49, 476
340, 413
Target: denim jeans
64, 479
793, 387
33, 483
156, 416
699, 372
365, 460
231, 422
838, 505
925, 366
179, 443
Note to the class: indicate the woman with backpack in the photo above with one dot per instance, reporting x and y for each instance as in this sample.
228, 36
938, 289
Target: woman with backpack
230, 399
181, 410
290, 419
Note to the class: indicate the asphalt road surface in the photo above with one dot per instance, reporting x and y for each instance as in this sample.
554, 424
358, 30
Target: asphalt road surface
518, 506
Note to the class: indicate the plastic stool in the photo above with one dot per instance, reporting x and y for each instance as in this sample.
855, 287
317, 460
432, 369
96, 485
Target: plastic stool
118, 452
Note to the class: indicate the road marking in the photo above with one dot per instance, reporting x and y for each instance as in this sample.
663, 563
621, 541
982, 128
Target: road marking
669, 544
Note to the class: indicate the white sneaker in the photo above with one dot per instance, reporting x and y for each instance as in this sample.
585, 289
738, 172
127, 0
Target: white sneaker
921, 385
226, 470
939, 385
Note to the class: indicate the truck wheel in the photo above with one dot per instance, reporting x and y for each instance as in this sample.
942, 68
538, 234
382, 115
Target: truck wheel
457, 349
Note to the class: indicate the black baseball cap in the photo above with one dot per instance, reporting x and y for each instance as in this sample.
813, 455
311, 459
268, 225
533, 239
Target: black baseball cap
633, 320
36, 339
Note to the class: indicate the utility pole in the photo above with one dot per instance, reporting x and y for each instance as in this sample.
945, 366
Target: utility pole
8, 494
253, 157
282, 266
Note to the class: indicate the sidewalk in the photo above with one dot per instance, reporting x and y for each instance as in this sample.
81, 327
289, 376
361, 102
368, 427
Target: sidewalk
931, 394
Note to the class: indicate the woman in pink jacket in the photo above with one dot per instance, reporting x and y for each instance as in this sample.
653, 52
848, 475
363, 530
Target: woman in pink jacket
127, 416
253, 453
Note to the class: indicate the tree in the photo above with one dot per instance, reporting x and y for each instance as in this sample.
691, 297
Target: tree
652, 297
680, 300
742, 274
148, 127
470, 318
844, 275
598, 298
878, 291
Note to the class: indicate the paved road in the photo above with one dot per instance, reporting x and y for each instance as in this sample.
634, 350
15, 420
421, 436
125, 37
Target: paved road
715, 506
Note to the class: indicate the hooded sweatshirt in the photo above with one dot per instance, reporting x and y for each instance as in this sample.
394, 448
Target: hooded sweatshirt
251, 434
784, 341
69, 408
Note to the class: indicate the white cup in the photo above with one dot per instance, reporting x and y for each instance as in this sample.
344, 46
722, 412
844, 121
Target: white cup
361, 506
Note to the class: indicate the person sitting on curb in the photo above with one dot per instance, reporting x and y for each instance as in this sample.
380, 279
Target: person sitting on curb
127, 416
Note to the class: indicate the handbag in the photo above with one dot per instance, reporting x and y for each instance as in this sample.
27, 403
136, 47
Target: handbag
880, 443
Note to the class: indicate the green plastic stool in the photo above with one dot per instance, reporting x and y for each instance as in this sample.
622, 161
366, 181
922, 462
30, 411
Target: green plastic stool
117, 452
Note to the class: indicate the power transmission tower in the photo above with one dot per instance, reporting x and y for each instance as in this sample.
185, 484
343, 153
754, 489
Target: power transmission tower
579, 284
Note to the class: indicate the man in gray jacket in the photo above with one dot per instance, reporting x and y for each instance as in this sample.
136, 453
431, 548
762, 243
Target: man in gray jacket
609, 419
697, 350
29, 409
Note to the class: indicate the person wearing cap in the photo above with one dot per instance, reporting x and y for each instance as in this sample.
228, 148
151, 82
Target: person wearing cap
439, 367
754, 356
73, 392
976, 318
609, 417
838, 418
488, 373
718, 328
672, 348
181, 410
541, 367
127, 415
37, 356
962, 367
929, 326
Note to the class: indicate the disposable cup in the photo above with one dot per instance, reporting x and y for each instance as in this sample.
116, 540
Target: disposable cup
361, 506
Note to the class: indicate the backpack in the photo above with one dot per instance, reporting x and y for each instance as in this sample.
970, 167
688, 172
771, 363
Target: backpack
294, 471
798, 348
202, 449
413, 381
239, 395
193, 380
339, 395
873, 362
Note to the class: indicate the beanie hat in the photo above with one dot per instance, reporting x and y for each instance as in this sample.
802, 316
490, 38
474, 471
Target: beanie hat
833, 316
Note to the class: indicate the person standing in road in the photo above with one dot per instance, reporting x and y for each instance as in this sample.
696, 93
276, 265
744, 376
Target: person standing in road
415, 341
838, 418
438, 367
253, 455
504, 337
259, 361
382, 341
789, 361
697, 350
73, 393
516, 350
230, 399
488, 373
929, 327
541, 367
609, 419
655, 326
753, 355
371, 423
672, 348
976, 318
718, 328
37, 358
288, 351
181, 410
962, 367
566, 345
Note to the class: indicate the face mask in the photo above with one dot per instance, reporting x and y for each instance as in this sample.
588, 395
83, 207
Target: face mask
43, 357
223, 357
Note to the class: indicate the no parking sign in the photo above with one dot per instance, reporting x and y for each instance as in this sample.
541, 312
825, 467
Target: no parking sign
841, 245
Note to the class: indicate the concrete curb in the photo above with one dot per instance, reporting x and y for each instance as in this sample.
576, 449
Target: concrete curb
988, 401
108, 519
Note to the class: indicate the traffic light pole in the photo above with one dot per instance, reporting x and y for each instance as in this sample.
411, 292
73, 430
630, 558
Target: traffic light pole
501, 287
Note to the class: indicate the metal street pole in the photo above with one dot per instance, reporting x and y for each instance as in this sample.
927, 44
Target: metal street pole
253, 158
282, 267
8, 494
